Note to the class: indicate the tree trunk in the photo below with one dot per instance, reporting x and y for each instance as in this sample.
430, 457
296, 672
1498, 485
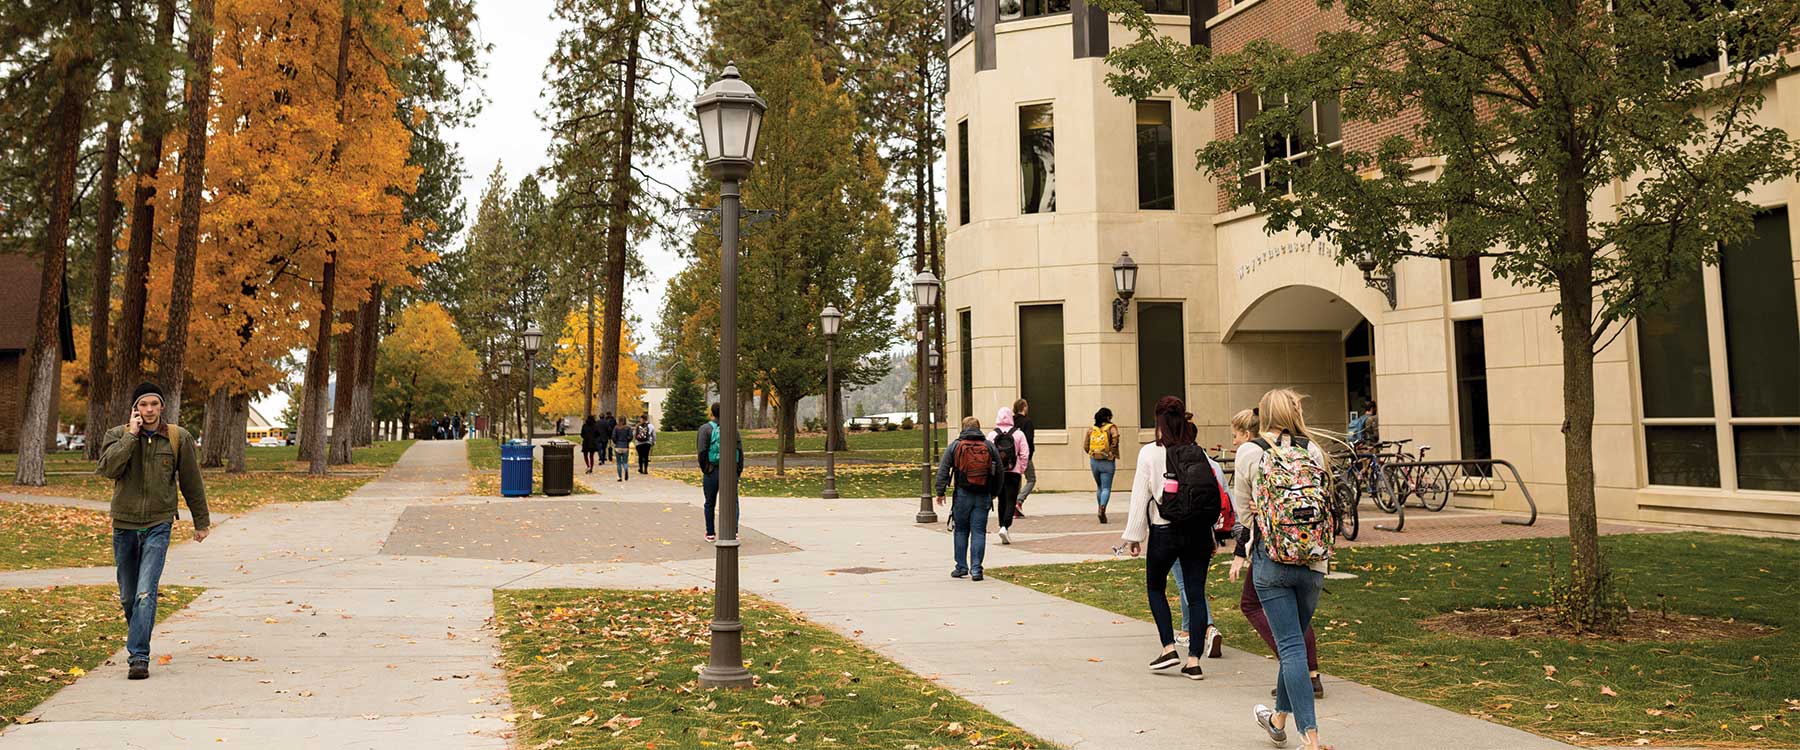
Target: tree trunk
235, 433
762, 409
1583, 604
784, 440
100, 302
588, 387
344, 401
172, 367
317, 362
218, 425
128, 359
621, 217
46, 349
368, 334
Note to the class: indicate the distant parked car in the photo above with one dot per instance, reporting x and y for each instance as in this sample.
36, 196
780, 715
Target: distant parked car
77, 442
269, 442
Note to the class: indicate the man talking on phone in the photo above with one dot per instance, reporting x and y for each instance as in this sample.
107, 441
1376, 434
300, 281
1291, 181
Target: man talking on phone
148, 460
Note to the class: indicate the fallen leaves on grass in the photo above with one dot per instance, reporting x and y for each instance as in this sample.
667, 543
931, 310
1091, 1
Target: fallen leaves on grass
36, 537
55, 635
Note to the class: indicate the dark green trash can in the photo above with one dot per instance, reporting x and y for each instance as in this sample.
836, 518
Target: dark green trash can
559, 467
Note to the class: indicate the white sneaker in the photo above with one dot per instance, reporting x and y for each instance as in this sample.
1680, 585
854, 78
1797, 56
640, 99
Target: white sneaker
1005, 535
1181, 639
1215, 643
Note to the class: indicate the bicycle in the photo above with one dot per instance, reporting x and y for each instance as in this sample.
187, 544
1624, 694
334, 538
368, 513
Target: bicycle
1401, 483
1346, 496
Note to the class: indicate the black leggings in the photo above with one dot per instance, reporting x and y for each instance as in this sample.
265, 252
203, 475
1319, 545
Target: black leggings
1191, 546
643, 450
1009, 497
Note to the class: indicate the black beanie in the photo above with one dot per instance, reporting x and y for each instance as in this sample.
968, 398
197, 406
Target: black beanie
145, 389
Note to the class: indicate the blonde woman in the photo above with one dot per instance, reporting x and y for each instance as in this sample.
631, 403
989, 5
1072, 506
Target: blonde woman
1289, 593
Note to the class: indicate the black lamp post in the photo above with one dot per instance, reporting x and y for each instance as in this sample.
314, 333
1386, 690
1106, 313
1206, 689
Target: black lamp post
925, 293
730, 115
1125, 272
494, 423
931, 437
533, 338
512, 395
829, 320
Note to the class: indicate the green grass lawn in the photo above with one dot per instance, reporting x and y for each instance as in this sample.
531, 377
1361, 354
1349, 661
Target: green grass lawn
615, 669
34, 537
54, 635
381, 455
225, 493
857, 481
1741, 693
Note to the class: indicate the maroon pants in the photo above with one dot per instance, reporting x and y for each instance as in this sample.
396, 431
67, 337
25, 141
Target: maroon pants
1253, 611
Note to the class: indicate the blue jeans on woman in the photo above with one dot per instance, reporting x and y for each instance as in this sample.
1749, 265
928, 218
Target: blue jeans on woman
969, 511
1289, 594
1103, 475
623, 457
138, 555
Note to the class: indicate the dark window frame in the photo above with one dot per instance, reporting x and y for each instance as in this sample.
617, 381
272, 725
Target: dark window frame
1158, 193
1043, 383
963, 201
1027, 206
1285, 149
1151, 315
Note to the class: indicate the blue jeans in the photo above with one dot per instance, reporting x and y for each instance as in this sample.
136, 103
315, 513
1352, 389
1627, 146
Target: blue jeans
969, 511
1187, 617
1289, 594
623, 456
138, 554
1103, 475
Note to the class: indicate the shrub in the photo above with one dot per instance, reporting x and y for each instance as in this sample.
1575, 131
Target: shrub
906, 424
891, 427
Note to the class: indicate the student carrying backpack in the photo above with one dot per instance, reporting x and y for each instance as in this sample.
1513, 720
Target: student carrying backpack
1013, 450
1292, 505
975, 465
1103, 456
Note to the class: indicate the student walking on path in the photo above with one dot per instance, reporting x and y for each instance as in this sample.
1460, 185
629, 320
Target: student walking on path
591, 438
974, 462
707, 446
148, 460
1283, 500
607, 425
1022, 419
1243, 430
1174, 503
621, 445
1015, 454
1103, 456
644, 436
1212, 643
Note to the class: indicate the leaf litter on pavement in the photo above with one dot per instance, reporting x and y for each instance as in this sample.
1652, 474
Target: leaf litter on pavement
49, 637
618, 669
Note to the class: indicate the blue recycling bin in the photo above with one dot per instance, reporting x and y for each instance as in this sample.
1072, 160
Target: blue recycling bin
515, 469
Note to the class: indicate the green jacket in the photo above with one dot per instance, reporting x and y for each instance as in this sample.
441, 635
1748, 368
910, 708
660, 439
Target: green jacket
146, 473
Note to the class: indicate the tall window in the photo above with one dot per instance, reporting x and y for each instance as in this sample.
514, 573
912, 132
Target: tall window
966, 336
1037, 159
1359, 367
1155, 156
1749, 437
1320, 126
962, 19
1015, 9
1465, 278
962, 172
1173, 7
1162, 361
1041, 364
1471, 390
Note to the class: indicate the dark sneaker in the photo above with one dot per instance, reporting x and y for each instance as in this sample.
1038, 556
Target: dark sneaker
1265, 718
1193, 672
139, 670
1318, 687
958, 573
1165, 660
975, 577
1103, 515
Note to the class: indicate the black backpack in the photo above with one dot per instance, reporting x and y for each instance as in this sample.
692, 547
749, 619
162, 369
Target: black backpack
1197, 499
1009, 451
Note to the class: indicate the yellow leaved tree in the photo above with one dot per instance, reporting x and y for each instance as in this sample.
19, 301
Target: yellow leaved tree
567, 395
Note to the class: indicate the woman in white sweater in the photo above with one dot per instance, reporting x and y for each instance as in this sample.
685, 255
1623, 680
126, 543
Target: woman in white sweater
1188, 543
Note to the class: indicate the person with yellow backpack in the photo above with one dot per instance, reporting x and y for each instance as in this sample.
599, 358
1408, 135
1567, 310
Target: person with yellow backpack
1103, 456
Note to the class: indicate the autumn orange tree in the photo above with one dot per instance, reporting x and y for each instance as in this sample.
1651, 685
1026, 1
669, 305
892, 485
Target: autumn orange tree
567, 395
424, 367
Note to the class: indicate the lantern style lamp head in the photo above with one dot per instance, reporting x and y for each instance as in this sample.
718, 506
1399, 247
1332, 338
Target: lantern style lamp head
730, 115
534, 337
1384, 283
925, 289
506, 367
830, 319
934, 358
1365, 262
1125, 271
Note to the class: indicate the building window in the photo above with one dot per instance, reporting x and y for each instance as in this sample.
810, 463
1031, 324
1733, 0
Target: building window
1155, 156
1037, 159
962, 172
965, 336
1471, 390
1012, 10
1359, 367
962, 19
1041, 364
1720, 54
1465, 278
1172, 7
1320, 126
1745, 333
1162, 360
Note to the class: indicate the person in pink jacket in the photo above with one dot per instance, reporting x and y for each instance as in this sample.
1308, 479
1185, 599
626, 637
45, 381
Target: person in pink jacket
1010, 439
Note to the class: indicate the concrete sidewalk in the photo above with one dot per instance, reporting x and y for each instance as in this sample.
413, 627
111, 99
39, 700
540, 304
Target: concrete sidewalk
307, 637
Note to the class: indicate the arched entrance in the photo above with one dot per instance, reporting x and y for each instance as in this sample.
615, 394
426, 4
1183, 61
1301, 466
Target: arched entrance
1308, 338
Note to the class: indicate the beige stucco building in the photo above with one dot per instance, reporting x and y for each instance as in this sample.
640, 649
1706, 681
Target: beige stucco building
1051, 177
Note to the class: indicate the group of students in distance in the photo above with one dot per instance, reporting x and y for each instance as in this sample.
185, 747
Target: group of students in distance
1275, 515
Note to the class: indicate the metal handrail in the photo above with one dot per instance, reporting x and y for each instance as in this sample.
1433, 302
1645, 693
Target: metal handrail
1488, 463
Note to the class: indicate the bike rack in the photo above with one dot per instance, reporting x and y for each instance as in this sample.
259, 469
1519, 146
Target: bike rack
1441, 466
